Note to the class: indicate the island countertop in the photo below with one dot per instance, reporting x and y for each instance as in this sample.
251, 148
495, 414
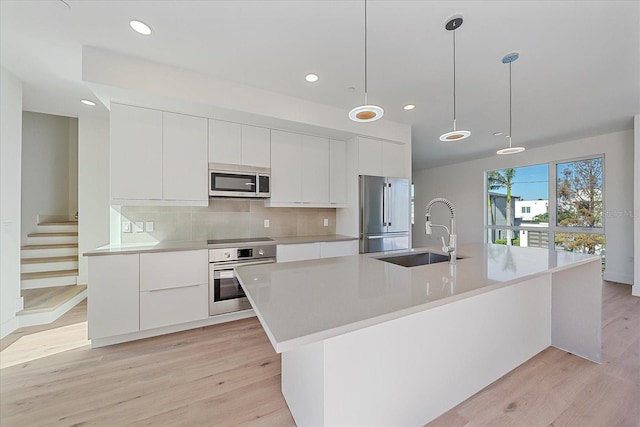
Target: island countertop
303, 302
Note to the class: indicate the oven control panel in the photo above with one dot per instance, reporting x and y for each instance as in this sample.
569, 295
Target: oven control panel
244, 254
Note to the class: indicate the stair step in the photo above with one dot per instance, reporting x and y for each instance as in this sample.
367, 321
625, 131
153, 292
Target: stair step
56, 234
49, 259
58, 227
74, 222
52, 246
58, 263
52, 238
42, 306
45, 251
45, 274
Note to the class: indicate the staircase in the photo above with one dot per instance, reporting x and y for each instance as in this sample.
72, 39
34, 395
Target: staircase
49, 273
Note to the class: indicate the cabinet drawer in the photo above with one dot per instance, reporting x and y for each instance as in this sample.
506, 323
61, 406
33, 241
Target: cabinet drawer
163, 270
173, 306
298, 252
333, 249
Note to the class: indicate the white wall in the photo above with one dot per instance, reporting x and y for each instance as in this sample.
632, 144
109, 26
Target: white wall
10, 164
45, 167
636, 204
93, 187
463, 184
72, 206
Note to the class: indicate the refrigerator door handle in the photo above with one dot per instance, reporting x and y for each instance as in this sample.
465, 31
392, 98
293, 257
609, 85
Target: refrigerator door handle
390, 195
385, 207
387, 217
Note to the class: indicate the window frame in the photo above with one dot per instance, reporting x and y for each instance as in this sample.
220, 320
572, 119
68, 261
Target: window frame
552, 228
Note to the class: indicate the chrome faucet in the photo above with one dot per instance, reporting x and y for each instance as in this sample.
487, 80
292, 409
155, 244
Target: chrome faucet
449, 248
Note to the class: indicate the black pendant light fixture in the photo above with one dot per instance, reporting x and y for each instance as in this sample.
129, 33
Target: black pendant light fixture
452, 25
510, 58
366, 112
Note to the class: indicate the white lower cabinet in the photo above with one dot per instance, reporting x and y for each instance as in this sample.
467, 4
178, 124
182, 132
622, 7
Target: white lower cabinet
173, 288
298, 252
136, 292
165, 307
342, 248
305, 251
113, 295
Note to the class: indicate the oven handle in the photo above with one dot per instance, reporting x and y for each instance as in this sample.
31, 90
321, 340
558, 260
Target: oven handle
228, 266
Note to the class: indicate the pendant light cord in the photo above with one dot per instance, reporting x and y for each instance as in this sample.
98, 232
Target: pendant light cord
454, 79
365, 52
510, 108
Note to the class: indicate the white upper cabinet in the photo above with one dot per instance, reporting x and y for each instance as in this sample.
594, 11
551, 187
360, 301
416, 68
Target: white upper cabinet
157, 158
382, 158
256, 146
225, 142
184, 158
136, 153
286, 168
307, 171
238, 144
369, 156
337, 172
315, 169
393, 160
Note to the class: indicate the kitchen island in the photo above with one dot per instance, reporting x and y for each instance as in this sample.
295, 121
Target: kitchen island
367, 342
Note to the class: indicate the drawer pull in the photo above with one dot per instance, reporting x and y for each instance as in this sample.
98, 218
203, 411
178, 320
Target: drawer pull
175, 287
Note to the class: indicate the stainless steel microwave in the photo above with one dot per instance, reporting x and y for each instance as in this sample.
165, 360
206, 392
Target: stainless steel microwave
238, 181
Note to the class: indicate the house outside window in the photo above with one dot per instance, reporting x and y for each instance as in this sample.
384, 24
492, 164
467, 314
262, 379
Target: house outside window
559, 202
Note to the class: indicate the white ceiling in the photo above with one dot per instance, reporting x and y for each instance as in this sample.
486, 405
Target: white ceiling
578, 73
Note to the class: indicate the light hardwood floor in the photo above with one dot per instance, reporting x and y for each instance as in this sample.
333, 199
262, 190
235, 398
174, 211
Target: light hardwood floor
229, 375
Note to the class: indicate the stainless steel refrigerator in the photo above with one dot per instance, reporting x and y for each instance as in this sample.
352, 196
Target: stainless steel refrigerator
384, 213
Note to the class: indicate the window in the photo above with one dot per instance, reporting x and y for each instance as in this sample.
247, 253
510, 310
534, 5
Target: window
579, 193
516, 198
524, 210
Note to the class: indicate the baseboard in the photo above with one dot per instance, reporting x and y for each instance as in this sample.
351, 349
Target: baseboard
618, 278
213, 320
9, 326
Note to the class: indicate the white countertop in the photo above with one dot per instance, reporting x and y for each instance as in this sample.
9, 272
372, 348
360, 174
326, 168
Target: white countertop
190, 245
302, 302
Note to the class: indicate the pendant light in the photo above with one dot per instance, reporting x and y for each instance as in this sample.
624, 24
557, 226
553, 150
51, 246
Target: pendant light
366, 112
509, 59
453, 24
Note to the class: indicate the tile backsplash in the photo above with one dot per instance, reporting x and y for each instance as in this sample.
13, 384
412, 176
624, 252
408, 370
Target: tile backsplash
226, 218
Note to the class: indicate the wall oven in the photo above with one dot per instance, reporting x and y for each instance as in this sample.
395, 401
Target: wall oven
225, 293
238, 181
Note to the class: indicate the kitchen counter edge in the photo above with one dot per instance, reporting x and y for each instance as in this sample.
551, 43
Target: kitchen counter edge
192, 245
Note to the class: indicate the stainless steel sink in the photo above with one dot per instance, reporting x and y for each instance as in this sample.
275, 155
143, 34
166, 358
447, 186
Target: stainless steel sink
416, 259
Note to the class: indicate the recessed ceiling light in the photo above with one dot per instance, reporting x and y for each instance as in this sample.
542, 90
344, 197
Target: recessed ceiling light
497, 133
311, 78
409, 107
87, 102
140, 27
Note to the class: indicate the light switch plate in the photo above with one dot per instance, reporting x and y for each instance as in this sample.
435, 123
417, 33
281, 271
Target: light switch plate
126, 226
266, 223
326, 222
148, 226
139, 227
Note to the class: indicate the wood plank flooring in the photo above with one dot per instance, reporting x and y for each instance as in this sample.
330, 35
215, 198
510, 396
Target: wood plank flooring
229, 374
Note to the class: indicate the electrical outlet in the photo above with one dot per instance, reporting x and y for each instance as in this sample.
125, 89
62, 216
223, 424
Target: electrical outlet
326, 222
126, 226
266, 223
139, 227
148, 226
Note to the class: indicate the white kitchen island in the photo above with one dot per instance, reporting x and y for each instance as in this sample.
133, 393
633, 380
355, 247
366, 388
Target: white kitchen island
366, 342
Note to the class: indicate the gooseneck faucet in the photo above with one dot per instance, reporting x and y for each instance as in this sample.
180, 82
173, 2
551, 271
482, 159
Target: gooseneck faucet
450, 247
